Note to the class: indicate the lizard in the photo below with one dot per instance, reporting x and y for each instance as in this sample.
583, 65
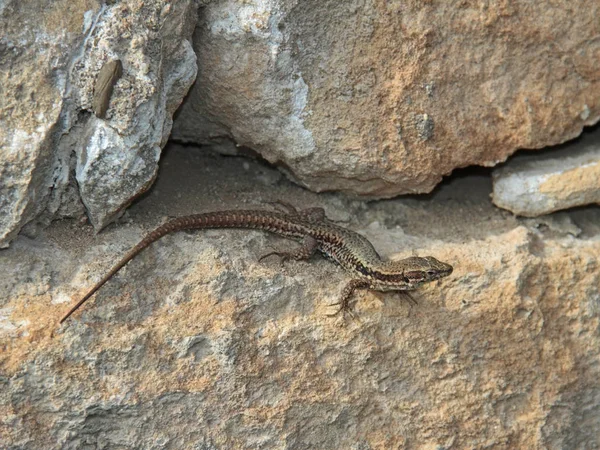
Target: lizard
316, 232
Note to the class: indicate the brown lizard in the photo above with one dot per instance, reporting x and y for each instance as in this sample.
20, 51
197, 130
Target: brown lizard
311, 227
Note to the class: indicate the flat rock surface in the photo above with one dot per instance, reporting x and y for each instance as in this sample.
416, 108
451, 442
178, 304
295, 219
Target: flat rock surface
195, 344
534, 184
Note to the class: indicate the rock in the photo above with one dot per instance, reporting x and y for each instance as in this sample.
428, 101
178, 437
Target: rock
371, 99
534, 184
380, 99
195, 344
33, 83
159, 66
57, 155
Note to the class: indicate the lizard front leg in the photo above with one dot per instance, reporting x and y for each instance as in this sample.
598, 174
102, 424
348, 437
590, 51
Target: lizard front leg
345, 307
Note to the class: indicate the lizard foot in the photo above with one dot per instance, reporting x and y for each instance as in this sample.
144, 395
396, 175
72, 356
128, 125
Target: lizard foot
347, 310
283, 256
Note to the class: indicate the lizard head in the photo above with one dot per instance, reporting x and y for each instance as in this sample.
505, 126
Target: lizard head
418, 270
410, 273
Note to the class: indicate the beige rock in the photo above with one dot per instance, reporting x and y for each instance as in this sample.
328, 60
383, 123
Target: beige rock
196, 345
385, 98
536, 184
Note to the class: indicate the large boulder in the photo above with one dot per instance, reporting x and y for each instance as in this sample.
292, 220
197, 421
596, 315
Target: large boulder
385, 98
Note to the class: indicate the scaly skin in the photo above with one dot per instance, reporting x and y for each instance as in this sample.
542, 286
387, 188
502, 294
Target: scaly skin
348, 249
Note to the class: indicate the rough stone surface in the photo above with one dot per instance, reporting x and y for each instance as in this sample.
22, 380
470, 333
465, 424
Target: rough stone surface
535, 184
197, 345
383, 98
56, 154
34, 55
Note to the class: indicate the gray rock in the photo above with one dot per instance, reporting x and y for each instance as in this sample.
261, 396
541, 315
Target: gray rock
57, 155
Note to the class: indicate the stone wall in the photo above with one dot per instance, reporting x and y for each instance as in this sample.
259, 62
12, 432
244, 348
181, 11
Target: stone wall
195, 344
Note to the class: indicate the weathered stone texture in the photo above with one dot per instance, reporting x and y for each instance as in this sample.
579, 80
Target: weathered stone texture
197, 345
383, 98
120, 158
34, 55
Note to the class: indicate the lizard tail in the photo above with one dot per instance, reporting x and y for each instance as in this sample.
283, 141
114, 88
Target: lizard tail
268, 221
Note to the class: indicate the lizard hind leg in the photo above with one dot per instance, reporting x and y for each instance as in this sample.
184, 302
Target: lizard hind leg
284, 207
305, 251
315, 214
